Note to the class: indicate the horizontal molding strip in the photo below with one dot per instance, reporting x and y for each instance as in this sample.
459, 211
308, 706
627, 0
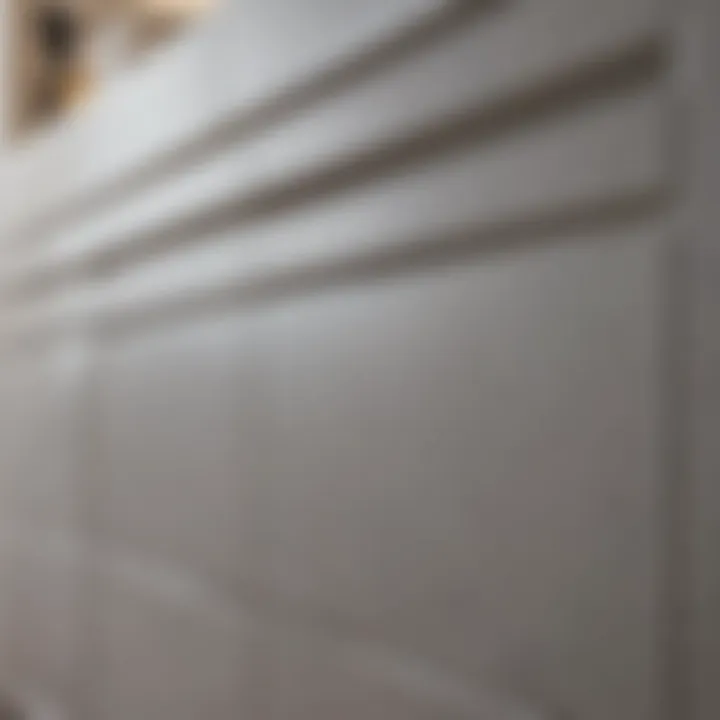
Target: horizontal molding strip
252, 62
251, 183
306, 196
107, 157
605, 162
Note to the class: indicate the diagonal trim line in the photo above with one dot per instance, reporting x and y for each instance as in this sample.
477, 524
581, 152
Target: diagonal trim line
594, 82
365, 64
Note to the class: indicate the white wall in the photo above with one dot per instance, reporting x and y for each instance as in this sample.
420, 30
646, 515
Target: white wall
336, 386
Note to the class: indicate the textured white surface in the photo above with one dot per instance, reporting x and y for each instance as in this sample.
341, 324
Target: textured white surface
354, 413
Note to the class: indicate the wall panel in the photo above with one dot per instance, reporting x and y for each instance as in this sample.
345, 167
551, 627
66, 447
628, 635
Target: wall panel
347, 370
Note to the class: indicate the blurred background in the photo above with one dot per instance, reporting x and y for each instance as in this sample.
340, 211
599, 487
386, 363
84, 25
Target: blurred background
359, 360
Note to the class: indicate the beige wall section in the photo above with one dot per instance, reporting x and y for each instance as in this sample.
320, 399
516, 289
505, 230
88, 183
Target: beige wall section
348, 374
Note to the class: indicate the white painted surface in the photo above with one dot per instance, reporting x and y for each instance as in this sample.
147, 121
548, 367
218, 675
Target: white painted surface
354, 410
